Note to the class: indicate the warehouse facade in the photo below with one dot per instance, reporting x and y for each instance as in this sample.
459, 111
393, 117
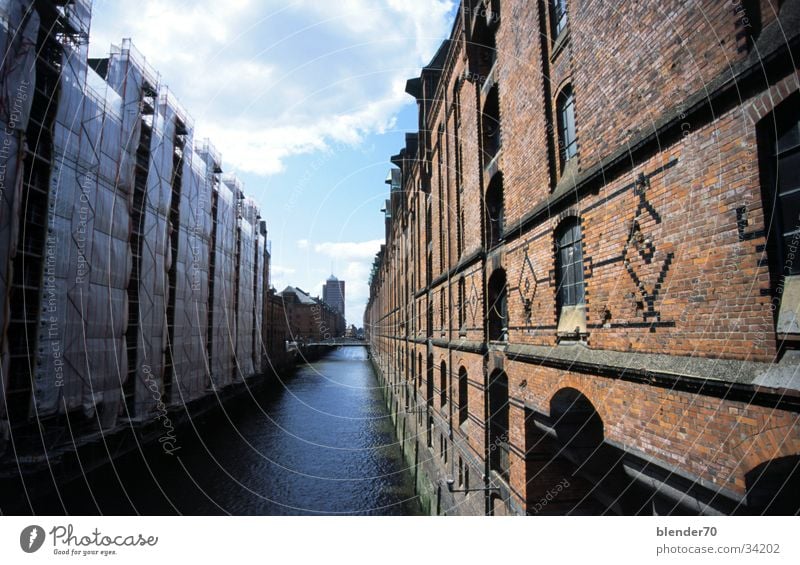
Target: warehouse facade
134, 274
587, 301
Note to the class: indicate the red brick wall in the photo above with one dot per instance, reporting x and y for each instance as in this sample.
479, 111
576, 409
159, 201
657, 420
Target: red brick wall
668, 269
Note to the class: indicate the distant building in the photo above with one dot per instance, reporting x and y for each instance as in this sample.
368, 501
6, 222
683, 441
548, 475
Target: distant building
333, 294
309, 318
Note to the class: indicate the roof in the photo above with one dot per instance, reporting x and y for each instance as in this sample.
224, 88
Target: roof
301, 295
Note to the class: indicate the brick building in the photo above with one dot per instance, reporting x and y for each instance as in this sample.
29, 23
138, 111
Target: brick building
587, 301
308, 318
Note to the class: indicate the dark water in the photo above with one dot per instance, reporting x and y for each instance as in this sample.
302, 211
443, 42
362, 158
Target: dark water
320, 442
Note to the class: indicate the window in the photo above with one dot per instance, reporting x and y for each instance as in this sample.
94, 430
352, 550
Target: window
429, 319
569, 261
497, 307
498, 424
441, 203
419, 372
570, 293
490, 121
463, 405
786, 156
567, 139
443, 384
458, 171
495, 212
748, 21
483, 50
558, 9
429, 382
441, 310
462, 303
779, 148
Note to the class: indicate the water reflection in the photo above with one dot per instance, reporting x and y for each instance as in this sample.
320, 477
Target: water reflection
319, 442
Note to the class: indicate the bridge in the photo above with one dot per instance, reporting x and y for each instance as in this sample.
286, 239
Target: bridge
338, 342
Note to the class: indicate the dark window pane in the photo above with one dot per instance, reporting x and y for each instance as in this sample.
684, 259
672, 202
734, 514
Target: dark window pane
566, 121
789, 210
570, 286
789, 138
789, 171
559, 9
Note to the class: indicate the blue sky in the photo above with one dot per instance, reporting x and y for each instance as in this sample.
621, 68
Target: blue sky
305, 100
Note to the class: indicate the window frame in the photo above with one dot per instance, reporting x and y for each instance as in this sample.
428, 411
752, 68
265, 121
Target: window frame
568, 238
558, 18
567, 129
463, 396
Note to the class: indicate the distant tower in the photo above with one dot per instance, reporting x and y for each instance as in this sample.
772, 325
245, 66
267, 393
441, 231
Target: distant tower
333, 294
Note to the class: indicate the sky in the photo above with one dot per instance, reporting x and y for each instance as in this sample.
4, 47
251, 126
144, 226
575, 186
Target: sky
304, 100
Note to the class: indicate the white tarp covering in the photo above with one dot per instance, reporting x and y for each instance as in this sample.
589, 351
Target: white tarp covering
191, 303
90, 267
246, 299
127, 76
19, 25
155, 259
81, 356
224, 330
259, 351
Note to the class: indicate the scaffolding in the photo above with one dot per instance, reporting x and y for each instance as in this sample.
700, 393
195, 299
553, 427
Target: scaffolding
19, 278
131, 270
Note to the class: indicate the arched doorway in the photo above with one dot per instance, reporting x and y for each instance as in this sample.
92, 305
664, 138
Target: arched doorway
580, 441
773, 487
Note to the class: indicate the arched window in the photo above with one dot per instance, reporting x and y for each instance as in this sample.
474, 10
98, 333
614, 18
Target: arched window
491, 126
497, 307
463, 391
567, 138
443, 384
495, 211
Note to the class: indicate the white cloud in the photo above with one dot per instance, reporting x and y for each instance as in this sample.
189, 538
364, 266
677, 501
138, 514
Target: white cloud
353, 264
351, 261
269, 80
279, 270
350, 251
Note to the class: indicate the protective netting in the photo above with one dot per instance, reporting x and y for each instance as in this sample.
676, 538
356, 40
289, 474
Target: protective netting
85, 295
19, 26
146, 281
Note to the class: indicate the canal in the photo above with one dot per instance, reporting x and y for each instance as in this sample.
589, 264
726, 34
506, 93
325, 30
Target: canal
318, 442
